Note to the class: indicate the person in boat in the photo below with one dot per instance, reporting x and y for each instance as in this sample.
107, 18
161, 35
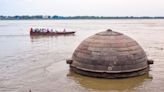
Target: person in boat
31, 30
41, 30
51, 30
35, 30
64, 30
47, 31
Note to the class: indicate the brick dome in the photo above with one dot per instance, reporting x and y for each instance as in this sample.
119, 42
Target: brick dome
109, 54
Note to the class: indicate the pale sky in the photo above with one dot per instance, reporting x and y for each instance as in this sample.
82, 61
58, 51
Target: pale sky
83, 7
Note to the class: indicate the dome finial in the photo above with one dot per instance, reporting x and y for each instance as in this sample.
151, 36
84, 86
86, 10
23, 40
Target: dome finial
108, 30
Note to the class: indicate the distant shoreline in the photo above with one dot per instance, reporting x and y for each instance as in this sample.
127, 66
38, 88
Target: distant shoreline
55, 17
86, 19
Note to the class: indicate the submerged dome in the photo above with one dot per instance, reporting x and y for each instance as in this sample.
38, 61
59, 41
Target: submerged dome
109, 54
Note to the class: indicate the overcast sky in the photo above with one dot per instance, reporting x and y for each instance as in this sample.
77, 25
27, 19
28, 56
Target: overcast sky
83, 7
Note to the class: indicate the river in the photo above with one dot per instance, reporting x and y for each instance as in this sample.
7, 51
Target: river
38, 64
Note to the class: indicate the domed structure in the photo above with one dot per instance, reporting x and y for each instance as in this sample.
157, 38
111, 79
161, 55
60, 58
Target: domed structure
109, 54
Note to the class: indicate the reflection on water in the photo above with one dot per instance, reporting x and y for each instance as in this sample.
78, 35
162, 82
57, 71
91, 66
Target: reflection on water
33, 38
109, 84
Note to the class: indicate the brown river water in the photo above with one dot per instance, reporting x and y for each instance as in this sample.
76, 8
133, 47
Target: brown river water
38, 63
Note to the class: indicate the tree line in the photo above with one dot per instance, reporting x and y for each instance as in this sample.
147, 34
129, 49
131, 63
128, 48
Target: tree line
41, 17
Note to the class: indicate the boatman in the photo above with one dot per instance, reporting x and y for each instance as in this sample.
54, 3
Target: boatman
31, 30
64, 30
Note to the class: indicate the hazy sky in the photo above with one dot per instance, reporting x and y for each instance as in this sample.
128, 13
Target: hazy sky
83, 7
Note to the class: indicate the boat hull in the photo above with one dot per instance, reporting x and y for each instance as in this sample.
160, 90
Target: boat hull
50, 33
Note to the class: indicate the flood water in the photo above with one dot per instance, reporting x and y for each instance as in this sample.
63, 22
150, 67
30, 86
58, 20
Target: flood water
38, 63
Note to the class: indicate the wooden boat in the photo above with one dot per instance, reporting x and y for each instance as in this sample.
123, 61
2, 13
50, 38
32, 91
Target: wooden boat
50, 33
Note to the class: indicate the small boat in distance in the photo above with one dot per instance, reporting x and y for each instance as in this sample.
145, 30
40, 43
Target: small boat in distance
47, 32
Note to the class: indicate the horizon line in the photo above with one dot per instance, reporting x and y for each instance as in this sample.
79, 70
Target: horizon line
48, 17
83, 15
